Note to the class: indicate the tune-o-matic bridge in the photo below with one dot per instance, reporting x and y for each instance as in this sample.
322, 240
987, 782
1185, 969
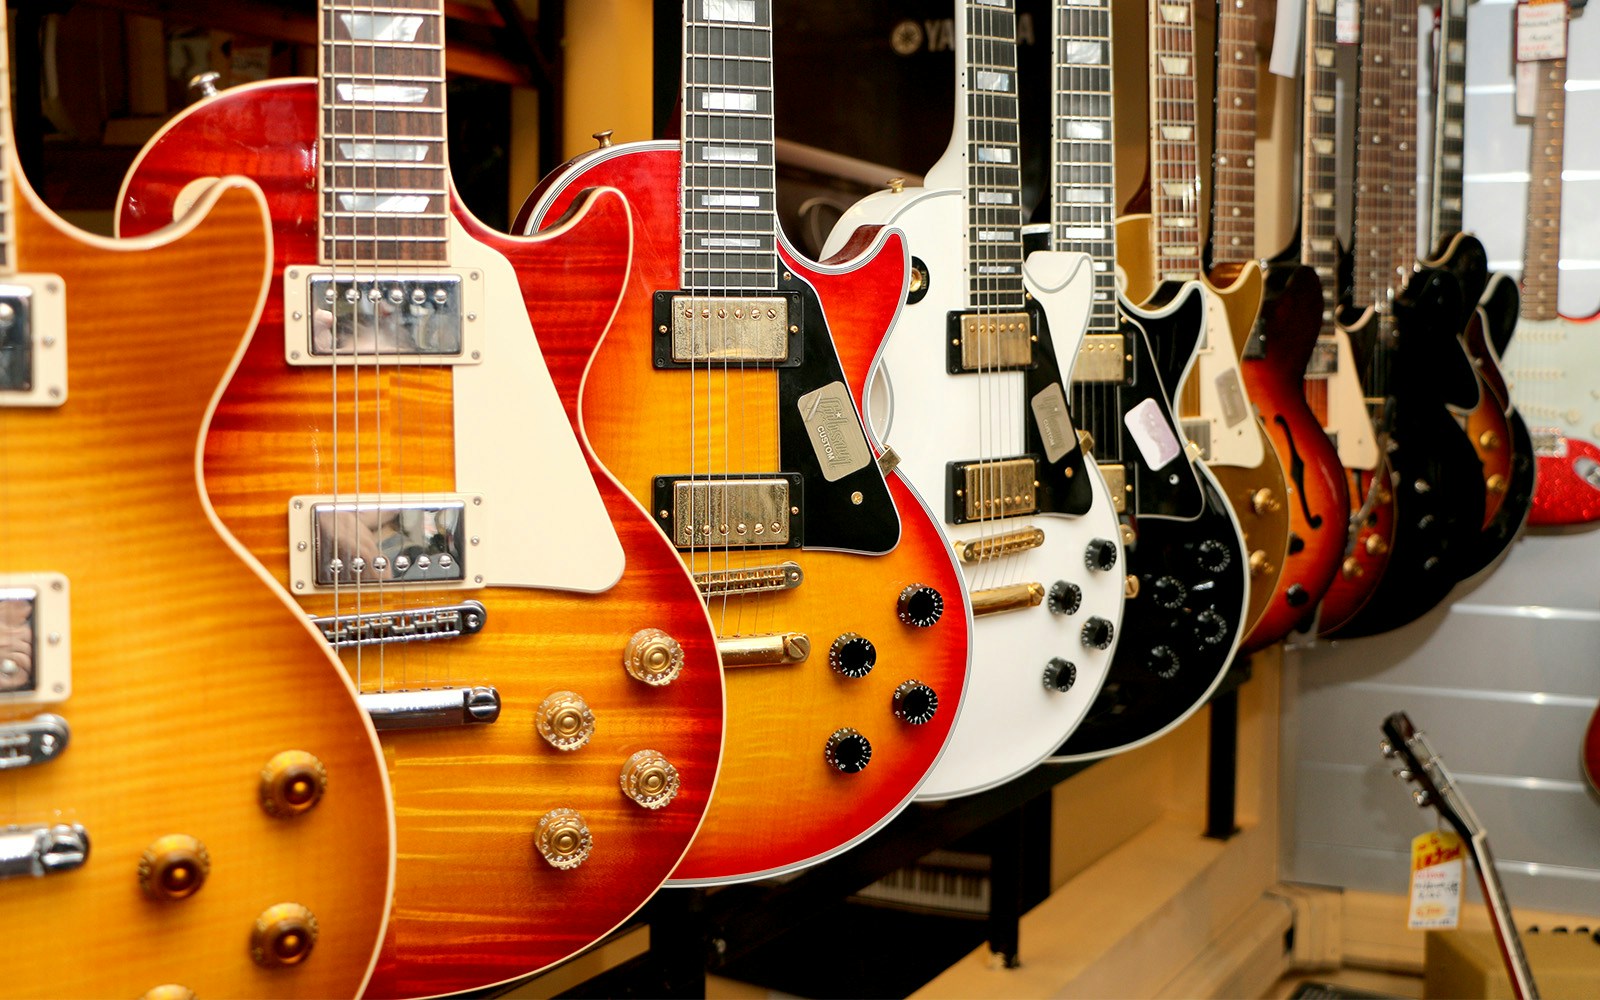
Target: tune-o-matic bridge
337, 542
986, 547
985, 490
377, 628
411, 318
762, 330
35, 639
715, 512
749, 580
33, 344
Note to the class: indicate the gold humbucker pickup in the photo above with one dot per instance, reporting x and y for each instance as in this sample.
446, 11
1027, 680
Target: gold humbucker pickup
982, 491
35, 640
1102, 357
977, 550
714, 513
750, 580
1116, 477
744, 329
986, 342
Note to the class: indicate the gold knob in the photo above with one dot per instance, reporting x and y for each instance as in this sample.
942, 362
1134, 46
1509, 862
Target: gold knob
897, 184
649, 779
292, 783
1496, 483
603, 138
1259, 563
1130, 587
918, 281
168, 991
564, 720
1376, 546
1489, 440
283, 935
1351, 568
1262, 502
1128, 535
174, 867
653, 656
563, 838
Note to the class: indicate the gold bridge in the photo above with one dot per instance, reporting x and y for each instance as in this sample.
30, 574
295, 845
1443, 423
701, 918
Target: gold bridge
779, 649
1014, 597
996, 340
1004, 488
749, 580
976, 550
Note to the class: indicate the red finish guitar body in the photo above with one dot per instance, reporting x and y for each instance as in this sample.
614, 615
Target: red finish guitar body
778, 806
475, 903
1591, 751
1371, 520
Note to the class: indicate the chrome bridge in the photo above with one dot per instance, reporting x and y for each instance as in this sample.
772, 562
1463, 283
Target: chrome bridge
750, 580
431, 708
38, 740
417, 318
33, 344
33, 851
377, 628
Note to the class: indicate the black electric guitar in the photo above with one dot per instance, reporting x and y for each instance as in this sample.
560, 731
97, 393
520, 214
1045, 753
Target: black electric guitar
1420, 765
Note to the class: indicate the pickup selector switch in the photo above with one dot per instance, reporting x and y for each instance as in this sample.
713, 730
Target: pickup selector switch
1060, 675
847, 751
914, 702
852, 655
1210, 627
1064, 598
1168, 592
920, 606
1213, 556
1100, 554
1163, 662
1097, 633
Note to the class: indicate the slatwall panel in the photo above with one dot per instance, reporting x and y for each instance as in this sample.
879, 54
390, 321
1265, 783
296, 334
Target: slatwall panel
1505, 678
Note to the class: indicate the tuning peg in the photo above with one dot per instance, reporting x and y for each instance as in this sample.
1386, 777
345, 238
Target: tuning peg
1421, 797
1386, 748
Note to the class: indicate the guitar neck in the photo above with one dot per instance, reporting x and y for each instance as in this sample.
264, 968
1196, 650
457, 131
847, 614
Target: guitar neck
1505, 930
8, 260
1450, 117
729, 180
1402, 70
1541, 267
385, 190
1319, 241
1233, 229
994, 167
1175, 203
1374, 141
1083, 194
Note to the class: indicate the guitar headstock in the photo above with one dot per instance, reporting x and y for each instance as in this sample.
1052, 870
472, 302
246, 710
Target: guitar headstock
1421, 766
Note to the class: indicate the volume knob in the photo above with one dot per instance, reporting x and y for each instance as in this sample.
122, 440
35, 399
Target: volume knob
847, 751
564, 720
174, 867
563, 838
1097, 633
1163, 662
852, 655
292, 782
1059, 674
649, 779
1213, 556
1210, 627
653, 656
283, 935
1168, 592
914, 702
1100, 554
920, 605
1064, 598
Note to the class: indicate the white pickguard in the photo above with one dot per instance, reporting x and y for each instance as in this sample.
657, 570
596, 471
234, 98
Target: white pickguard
1348, 417
1550, 366
1009, 721
1235, 437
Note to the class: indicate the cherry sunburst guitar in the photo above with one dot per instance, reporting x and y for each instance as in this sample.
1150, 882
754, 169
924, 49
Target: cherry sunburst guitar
1185, 571
398, 452
190, 796
980, 416
718, 397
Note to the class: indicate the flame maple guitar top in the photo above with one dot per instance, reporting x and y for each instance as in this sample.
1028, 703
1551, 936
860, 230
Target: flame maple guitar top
778, 804
475, 903
188, 672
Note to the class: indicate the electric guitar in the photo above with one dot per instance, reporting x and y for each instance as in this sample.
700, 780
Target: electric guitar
1551, 361
1436, 788
1277, 347
1591, 751
720, 399
980, 413
1187, 575
190, 797
397, 451
1405, 319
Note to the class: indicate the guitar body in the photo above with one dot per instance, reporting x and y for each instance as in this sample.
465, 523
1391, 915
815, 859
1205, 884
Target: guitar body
1182, 626
1591, 751
940, 418
779, 805
189, 672
1419, 365
475, 902
1273, 362
1545, 364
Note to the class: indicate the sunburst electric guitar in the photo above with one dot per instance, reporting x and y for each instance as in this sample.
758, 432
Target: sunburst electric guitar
397, 451
980, 418
189, 793
720, 399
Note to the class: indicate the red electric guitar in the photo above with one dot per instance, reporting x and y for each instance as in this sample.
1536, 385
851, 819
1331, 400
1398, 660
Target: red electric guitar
397, 451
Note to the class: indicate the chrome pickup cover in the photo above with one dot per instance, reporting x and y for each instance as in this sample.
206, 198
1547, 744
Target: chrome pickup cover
42, 850
417, 318
38, 740
35, 639
33, 341
417, 540
377, 628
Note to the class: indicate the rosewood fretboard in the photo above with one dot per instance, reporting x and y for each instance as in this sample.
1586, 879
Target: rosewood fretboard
1233, 194
1174, 152
1083, 203
994, 167
1541, 267
1319, 227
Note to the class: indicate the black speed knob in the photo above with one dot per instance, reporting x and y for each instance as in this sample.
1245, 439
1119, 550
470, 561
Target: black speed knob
1297, 596
1059, 674
847, 751
852, 655
1163, 662
1097, 633
1100, 554
1213, 556
1064, 598
914, 702
1210, 627
1168, 592
920, 605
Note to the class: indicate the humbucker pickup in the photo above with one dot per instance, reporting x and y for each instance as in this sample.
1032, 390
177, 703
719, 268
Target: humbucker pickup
715, 512
1324, 361
990, 342
990, 489
35, 639
396, 318
1102, 358
335, 542
763, 330
33, 340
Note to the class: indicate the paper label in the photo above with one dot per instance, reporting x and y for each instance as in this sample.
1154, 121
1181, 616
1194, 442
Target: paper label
835, 431
1541, 30
1437, 865
1151, 432
1347, 22
1527, 89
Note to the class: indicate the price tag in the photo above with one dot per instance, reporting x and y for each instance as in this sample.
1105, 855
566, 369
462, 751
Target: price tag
1541, 30
1346, 22
1527, 89
1437, 864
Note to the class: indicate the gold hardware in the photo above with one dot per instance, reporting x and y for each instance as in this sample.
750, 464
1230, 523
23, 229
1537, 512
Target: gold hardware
649, 779
1351, 568
919, 279
1259, 564
1013, 597
888, 461
169, 991
778, 649
996, 340
174, 867
1376, 546
762, 336
857, 497
1100, 359
1496, 483
1005, 488
292, 782
733, 512
603, 138
563, 838
1130, 587
976, 550
1263, 502
749, 580
1489, 440
1128, 535
564, 720
653, 656
1116, 477
897, 184
283, 935
1086, 442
